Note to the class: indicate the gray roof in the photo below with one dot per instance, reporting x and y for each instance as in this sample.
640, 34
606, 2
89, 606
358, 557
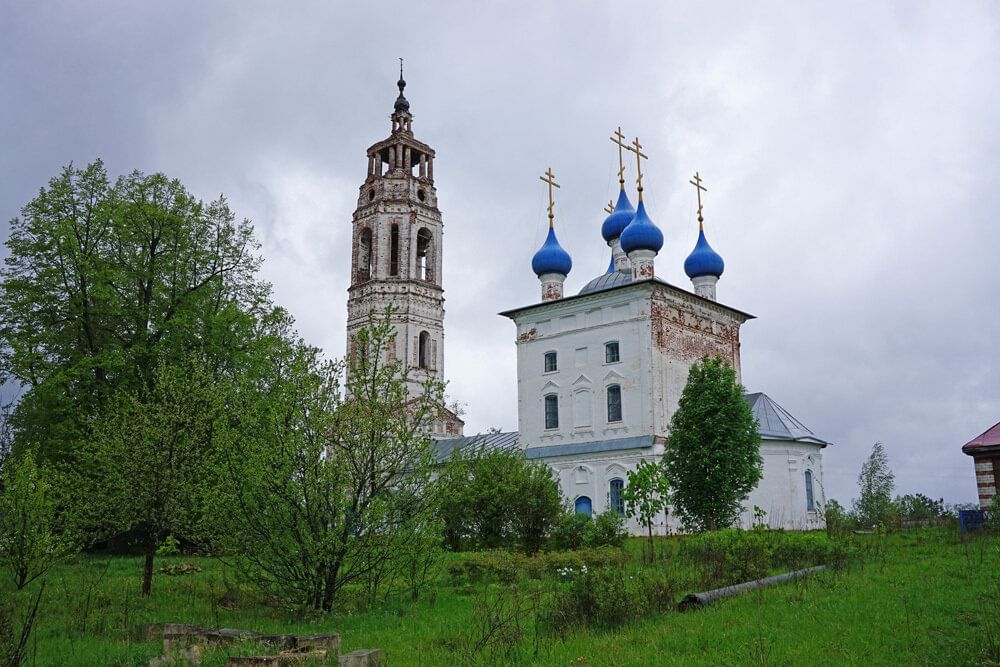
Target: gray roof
636, 442
607, 281
776, 423
476, 443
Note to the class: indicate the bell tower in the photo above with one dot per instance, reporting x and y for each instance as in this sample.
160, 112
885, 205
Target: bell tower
396, 248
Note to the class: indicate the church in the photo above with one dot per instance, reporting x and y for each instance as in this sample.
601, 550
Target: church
599, 372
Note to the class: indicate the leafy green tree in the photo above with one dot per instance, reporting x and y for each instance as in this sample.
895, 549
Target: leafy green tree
646, 494
712, 455
321, 484
31, 541
152, 452
104, 282
918, 507
497, 498
875, 484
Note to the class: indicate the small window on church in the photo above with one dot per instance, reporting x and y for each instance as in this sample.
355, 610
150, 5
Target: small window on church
424, 254
614, 403
615, 498
423, 350
365, 255
550, 362
810, 503
394, 250
611, 352
551, 411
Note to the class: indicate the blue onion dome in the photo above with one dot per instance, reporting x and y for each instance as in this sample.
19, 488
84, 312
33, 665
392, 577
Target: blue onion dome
619, 218
703, 261
641, 233
551, 258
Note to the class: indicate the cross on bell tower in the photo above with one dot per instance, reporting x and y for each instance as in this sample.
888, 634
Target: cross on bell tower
396, 248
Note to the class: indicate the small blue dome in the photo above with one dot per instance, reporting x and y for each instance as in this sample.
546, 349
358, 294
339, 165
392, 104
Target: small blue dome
619, 218
551, 258
611, 266
641, 233
703, 261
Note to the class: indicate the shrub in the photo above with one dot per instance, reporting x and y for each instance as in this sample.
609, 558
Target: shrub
607, 597
507, 567
569, 532
607, 530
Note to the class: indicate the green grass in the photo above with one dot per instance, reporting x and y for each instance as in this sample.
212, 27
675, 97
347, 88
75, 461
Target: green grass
923, 599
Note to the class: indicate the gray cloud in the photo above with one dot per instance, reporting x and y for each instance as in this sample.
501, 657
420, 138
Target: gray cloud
850, 150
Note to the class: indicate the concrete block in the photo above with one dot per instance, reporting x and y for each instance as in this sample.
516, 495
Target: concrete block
366, 657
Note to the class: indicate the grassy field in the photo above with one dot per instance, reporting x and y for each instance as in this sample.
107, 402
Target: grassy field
921, 597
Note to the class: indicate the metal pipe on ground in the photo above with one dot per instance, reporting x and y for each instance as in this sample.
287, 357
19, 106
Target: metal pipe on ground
698, 600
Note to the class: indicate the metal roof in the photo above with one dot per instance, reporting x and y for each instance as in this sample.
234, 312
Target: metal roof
776, 423
987, 439
476, 443
607, 281
636, 442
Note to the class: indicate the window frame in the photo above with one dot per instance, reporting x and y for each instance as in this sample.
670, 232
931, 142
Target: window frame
555, 362
810, 491
546, 412
616, 501
617, 349
608, 404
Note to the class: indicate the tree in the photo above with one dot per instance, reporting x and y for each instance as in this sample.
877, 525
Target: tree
31, 541
875, 483
152, 450
645, 495
712, 455
918, 507
497, 498
319, 487
103, 283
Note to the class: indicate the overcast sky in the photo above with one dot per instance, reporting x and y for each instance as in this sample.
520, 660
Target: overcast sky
851, 152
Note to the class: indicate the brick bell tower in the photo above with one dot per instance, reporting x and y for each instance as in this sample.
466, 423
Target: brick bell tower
396, 252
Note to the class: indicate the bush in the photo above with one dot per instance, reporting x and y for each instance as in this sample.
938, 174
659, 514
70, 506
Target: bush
507, 567
569, 532
607, 530
607, 597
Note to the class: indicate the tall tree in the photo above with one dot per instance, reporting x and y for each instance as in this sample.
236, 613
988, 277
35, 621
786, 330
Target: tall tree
712, 455
321, 484
106, 281
875, 485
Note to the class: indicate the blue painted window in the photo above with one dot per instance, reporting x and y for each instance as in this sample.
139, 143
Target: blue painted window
583, 506
611, 352
614, 403
550, 362
552, 411
810, 505
615, 496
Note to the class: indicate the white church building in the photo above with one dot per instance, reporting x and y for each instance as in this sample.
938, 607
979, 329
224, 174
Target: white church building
599, 373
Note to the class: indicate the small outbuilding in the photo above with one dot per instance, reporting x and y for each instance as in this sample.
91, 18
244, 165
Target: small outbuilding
985, 451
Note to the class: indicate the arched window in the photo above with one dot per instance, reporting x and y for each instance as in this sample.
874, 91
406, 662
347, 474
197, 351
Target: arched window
551, 411
810, 503
584, 506
365, 255
616, 501
611, 355
424, 350
394, 250
614, 403
424, 254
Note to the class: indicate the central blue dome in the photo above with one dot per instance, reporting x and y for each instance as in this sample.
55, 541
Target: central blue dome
619, 218
551, 258
703, 261
641, 233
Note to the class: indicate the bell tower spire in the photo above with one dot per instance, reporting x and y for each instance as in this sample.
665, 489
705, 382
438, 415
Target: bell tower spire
396, 249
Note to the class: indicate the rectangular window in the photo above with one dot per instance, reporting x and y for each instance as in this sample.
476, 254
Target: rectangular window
394, 251
810, 503
614, 403
550, 362
552, 411
611, 352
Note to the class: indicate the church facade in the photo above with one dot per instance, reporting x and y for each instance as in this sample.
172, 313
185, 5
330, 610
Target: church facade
600, 372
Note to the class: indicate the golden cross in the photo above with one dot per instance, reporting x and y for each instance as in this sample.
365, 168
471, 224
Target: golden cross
550, 178
699, 188
636, 148
610, 208
619, 139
